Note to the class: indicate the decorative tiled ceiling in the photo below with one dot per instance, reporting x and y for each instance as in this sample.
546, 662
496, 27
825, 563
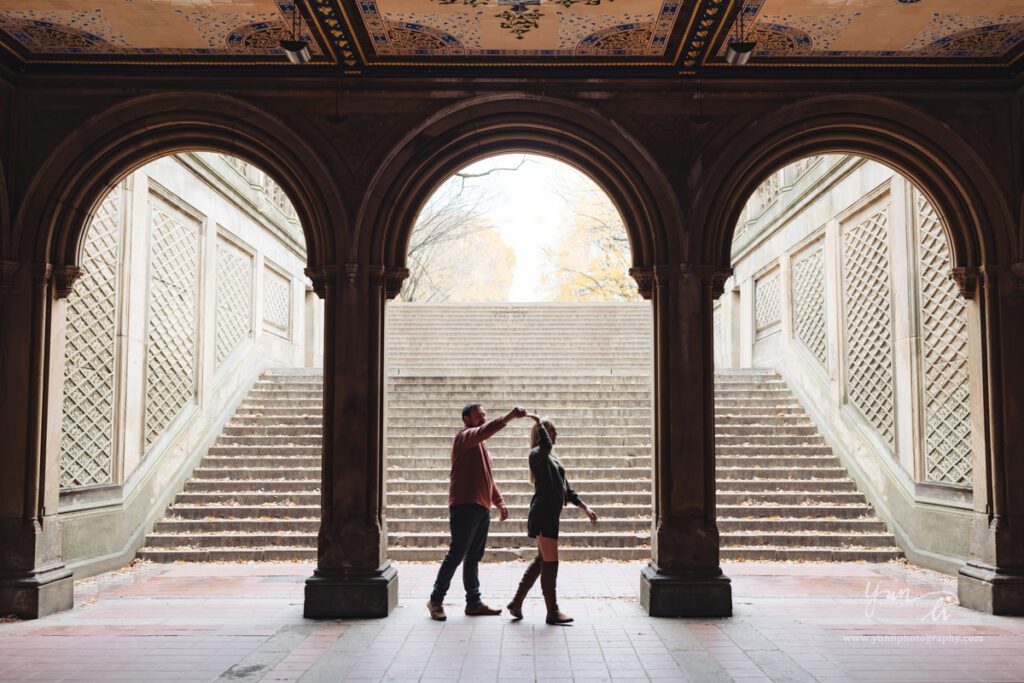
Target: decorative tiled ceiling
679, 36
872, 31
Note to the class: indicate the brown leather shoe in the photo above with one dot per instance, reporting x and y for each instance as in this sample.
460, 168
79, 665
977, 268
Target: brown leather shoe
436, 611
481, 610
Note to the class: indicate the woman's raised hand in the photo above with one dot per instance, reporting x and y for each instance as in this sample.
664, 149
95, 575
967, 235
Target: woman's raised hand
533, 416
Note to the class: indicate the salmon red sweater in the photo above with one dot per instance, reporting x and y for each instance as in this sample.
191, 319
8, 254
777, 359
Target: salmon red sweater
471, 478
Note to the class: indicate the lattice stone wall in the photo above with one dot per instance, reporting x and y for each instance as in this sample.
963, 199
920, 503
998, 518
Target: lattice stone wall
767, 305
171, 340
234, 297
87, 431
868, 323
944, 346
808, 286
718, 335
277, 304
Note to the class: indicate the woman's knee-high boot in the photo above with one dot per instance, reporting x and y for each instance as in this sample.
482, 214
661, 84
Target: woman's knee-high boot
515, 608
548, 581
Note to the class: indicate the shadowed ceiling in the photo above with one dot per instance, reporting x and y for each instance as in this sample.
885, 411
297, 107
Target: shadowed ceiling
677, 36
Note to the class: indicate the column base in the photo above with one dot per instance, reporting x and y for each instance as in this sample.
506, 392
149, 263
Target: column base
37, 594
991, 590
706, 593
352, 595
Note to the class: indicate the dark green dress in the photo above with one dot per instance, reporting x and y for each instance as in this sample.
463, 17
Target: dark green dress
551, 491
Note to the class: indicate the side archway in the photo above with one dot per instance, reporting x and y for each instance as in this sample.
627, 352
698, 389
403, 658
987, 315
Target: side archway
977, 218
90, 161
945, 167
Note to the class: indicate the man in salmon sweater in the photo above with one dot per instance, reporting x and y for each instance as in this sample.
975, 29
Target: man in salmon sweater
470, 495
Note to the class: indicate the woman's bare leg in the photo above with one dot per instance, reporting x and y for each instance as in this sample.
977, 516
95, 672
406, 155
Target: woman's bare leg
548, 548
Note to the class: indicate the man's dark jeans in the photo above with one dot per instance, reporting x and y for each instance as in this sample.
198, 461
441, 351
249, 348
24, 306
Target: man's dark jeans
469, 524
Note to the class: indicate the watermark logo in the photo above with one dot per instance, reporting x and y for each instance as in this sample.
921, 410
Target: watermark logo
937, 604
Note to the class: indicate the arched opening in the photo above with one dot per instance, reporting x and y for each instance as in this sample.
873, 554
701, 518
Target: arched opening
191, 348
519, 293
847, 344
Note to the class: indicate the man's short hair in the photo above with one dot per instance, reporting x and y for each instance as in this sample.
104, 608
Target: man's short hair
468, 408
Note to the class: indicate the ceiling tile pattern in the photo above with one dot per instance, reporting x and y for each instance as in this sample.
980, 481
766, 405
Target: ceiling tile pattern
364, 36
894, 31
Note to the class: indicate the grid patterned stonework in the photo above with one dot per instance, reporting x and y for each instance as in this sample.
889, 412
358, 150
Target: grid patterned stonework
809, 302
869, 322
87, 431
767, 310
234, 297
171, 347
277, 308
944, 341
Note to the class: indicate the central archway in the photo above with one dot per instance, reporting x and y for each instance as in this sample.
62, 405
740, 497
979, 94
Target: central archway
684, 577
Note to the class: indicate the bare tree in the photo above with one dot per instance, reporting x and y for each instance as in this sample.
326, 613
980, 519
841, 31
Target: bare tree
453, 214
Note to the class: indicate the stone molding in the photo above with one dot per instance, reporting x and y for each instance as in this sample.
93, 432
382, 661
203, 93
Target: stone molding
64, 278
322, 276
644, 280
393, 279
41, 273
7, 271
710, 276
967, 281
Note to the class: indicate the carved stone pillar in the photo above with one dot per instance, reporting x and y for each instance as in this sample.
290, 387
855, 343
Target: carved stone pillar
683, 577
33, 579
992, 580
353, 577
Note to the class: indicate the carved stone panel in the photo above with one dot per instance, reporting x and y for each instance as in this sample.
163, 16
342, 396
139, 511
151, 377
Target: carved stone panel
809, 301
234, 297
87, 441
944, 352
173, 300
767, 306
868, 321
277, 303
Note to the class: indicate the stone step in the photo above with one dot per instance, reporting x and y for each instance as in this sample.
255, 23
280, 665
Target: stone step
500, 382
197, 512
785, 524
513, 474
794, 554
270, 440
760, 511
808, 539
252, 486
782, 461
836, 498
723, 474
290, 472
755, 485
401, 500
524, 487
283, 450
443, 463
266, 554
504, 441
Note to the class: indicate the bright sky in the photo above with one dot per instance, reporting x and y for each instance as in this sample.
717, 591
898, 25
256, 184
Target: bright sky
528, 210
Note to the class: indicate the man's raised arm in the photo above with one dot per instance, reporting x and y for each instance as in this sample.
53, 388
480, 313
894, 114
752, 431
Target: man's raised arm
474, 435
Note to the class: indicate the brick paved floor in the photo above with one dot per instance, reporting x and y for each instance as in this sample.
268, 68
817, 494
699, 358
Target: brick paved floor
243, 622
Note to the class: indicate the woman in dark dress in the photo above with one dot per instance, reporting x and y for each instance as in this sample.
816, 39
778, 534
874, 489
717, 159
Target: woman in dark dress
551, 492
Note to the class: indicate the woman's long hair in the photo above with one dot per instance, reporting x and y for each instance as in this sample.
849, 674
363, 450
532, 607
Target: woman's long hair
535, 439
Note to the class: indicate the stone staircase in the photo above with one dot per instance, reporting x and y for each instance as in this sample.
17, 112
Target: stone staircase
782, 494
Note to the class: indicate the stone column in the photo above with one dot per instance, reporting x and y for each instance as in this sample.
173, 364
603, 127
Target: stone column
992, 580
683, 578
33, 579
353, 577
